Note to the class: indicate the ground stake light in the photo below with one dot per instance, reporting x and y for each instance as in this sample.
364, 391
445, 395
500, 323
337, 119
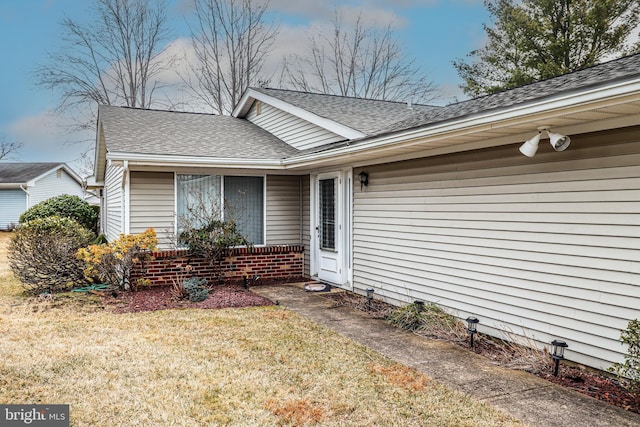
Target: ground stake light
558, 354
370, 292
472, 323
419, 305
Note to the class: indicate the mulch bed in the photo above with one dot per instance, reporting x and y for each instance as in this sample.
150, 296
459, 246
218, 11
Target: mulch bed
591, 382
160, 298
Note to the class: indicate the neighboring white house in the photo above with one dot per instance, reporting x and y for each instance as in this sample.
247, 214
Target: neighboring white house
419, 202
23, 185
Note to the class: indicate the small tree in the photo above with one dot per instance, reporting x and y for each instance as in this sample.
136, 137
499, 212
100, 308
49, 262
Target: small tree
64, 206
629, 371
208, 231
113, 262
42, 254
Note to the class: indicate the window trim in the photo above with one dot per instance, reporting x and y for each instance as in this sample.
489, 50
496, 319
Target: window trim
222, 178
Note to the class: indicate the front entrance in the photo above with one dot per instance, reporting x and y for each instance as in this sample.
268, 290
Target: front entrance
332, 200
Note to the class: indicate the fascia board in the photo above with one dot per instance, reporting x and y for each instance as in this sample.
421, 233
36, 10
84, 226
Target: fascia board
573, 102
325, 123
168, 160
245, 103
12, 185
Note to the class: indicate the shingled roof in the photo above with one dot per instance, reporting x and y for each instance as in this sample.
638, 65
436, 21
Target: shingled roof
21, 173
597, 75
369, 116
156, 132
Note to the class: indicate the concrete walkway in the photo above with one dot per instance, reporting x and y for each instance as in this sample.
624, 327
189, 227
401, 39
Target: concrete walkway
531, 399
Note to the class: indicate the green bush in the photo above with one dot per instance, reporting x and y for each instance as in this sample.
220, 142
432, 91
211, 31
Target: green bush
213, 241
64, 206
195, 288
629, 371
42, 254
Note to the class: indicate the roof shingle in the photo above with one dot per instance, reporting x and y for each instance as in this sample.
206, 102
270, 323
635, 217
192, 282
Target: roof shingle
158, 132
21, 173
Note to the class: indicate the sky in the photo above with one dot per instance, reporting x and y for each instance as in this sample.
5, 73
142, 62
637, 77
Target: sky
432, 32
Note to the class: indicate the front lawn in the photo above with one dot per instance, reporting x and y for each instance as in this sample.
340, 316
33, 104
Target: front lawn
242, 367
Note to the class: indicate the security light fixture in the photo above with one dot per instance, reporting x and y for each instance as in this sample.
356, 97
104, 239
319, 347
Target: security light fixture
558, 354
370, 292
558, 141
472, 323
363, 178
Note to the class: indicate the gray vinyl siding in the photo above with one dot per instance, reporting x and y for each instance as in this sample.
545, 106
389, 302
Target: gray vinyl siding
54, 184
113, 194
284, 220
293, 130
152, 204
306, 223
13, 202
545, 247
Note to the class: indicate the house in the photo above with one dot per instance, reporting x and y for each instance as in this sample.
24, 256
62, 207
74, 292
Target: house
427, 203
23, 185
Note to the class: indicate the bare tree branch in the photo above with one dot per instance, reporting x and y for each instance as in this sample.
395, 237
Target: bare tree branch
7, 148
230, 41
360, 62
112, 61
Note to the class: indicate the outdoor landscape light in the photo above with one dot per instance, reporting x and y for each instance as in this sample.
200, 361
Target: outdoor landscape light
419, 305
558, 354
472, 323
363, 178
370, 292
558, 141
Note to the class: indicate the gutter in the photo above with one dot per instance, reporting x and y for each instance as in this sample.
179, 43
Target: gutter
540, 111
28, 195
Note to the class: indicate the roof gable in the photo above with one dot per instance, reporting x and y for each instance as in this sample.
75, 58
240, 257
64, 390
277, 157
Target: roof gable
170, 133
353, 118
23, 173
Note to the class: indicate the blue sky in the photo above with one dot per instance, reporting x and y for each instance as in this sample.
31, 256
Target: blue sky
434, 32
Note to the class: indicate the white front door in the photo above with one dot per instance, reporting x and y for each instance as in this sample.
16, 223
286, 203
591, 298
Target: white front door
331, 227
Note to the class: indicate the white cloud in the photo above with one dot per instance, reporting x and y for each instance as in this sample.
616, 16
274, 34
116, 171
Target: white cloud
45, 139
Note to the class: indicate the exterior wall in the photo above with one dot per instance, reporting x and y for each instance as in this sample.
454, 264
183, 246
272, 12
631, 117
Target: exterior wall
269, 264
14, 203
152, 204
547, 247
54, 184
114, 205
284, 217
306, 223
291, 129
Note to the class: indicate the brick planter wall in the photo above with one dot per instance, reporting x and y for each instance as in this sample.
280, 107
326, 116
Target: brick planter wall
270, 263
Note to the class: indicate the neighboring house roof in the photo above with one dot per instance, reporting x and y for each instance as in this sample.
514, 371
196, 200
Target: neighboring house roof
16, 174
132, 130
368, 116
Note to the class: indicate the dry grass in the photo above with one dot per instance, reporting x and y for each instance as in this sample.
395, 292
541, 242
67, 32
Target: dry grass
240, 367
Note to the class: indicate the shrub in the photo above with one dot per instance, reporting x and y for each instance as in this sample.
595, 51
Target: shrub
195, 289
213, 241
431, 320
42, 254
113, 262
64, 206
629, 371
